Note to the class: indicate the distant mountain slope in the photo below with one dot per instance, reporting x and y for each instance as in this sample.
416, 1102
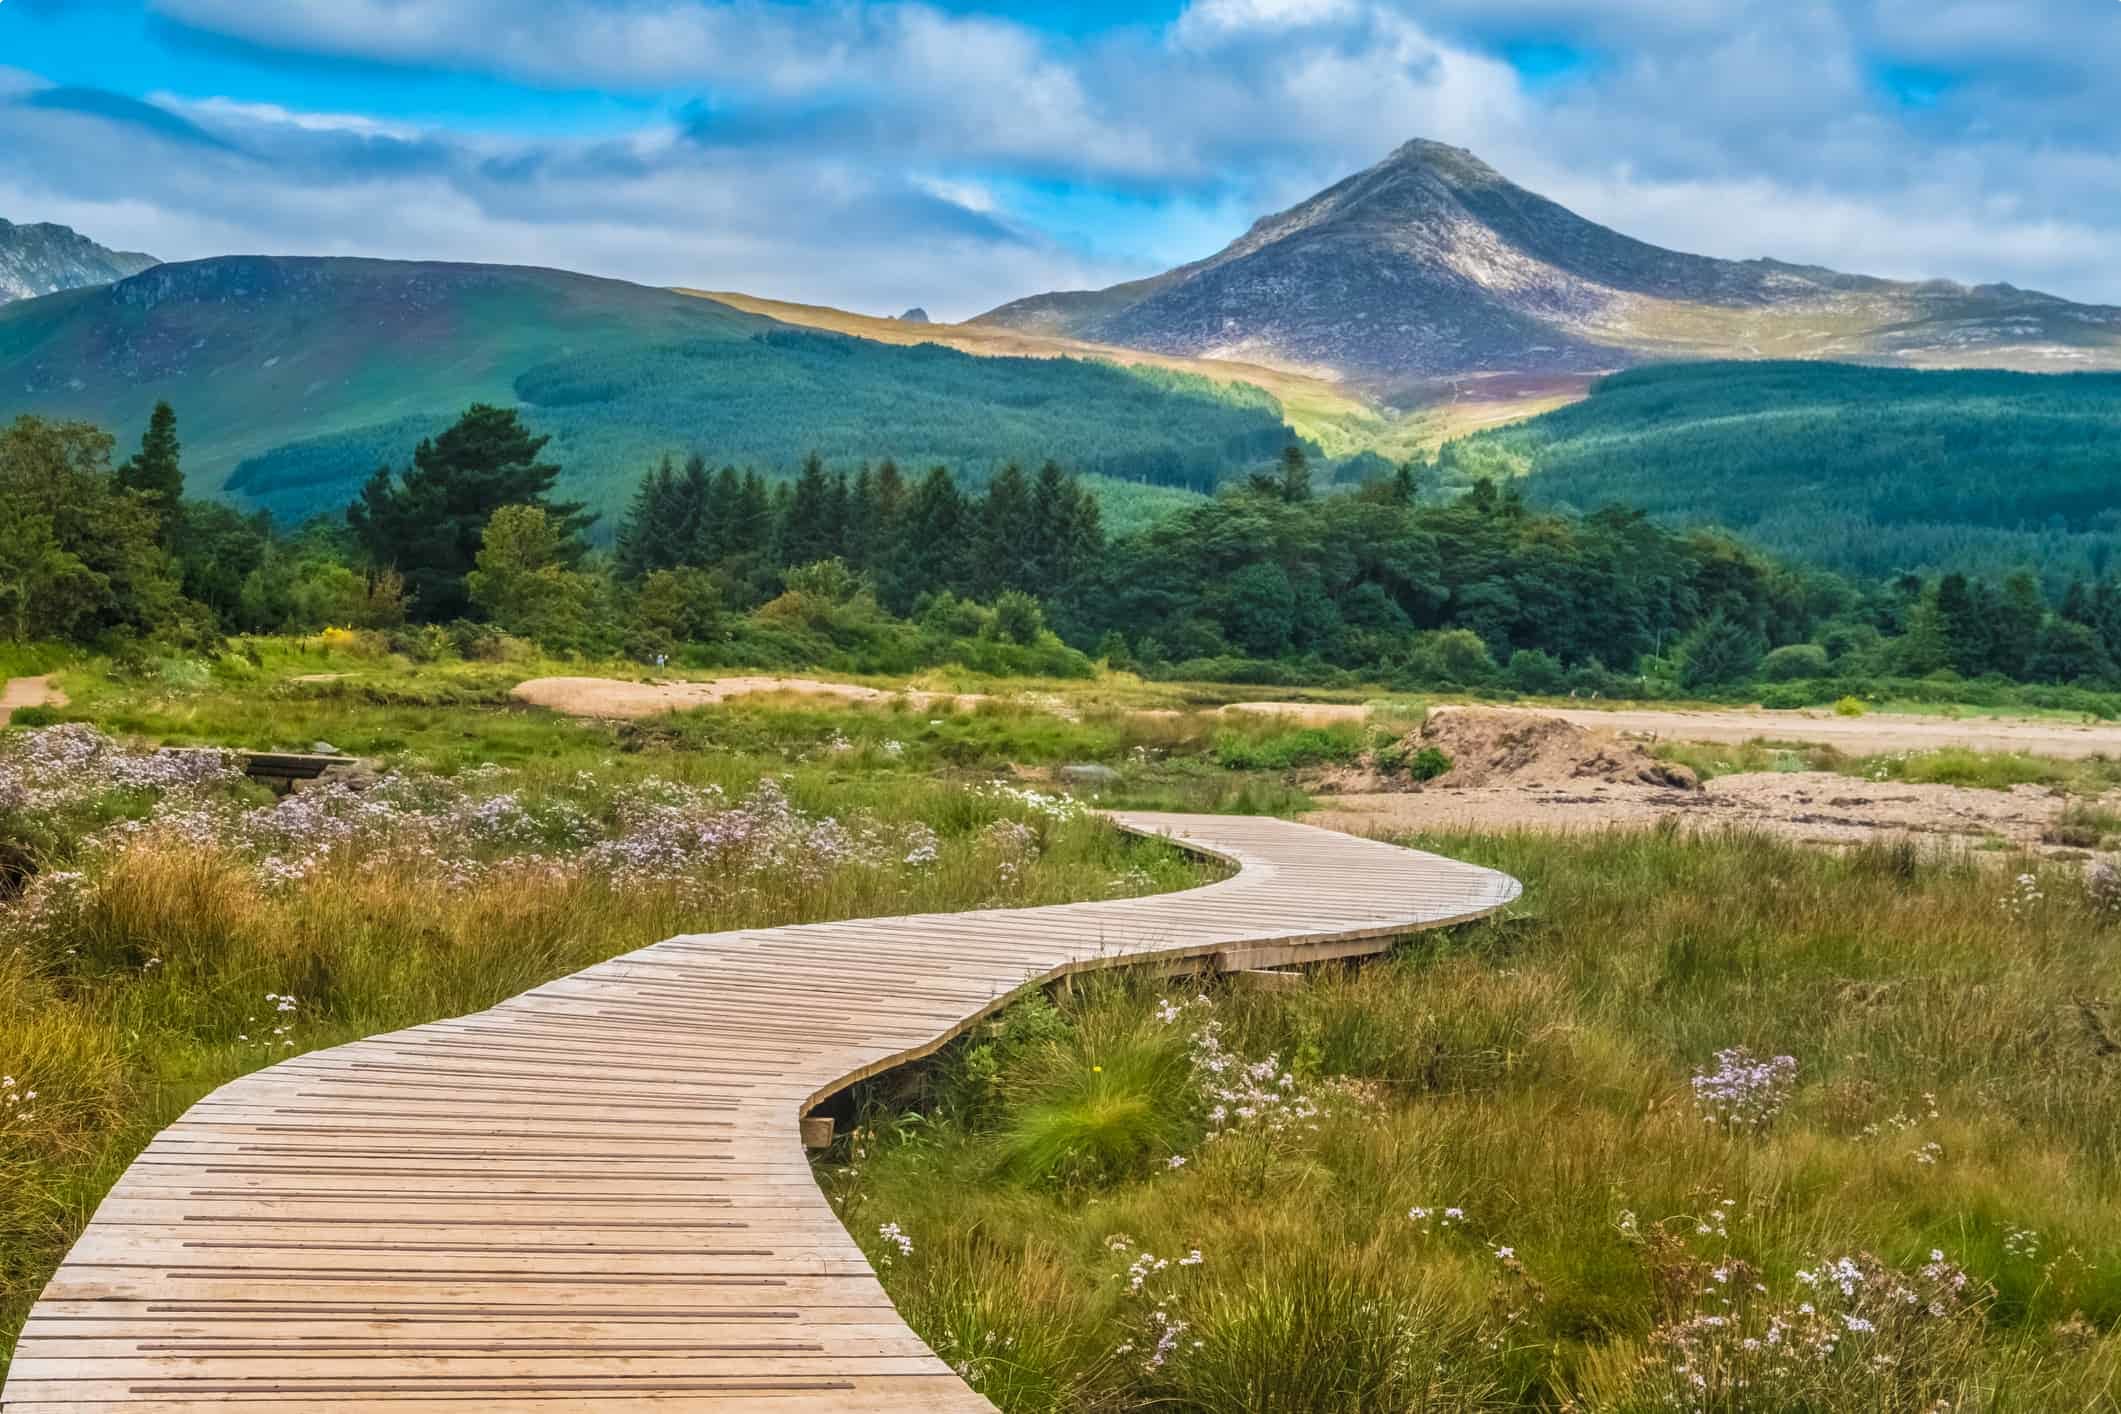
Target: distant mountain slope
44, 259
1871, 471
1433, 265
294, 377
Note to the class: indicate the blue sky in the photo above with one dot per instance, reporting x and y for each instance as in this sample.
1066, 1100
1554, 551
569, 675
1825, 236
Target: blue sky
954, 155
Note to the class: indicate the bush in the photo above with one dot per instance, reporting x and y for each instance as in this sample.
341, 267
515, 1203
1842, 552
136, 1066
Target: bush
1452, 657
1717, 653
1793, 661
1536, 672
1849, 707
1018, 617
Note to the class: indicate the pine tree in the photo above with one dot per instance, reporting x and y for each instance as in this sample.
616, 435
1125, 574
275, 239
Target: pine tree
648, 539
156, 470
1047, 556
428, 524
1003, 537
1966, 631
807, 532
859, 529
719, 534
752, 533
1406, 484
1295, 474
931, 549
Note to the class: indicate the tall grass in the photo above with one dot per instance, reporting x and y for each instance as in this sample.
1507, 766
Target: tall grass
1954, 1034
173, 938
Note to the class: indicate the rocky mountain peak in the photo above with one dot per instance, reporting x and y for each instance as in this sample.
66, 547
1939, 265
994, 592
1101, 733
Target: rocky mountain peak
43, 259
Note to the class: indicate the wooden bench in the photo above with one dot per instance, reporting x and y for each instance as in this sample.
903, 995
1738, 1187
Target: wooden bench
281, 769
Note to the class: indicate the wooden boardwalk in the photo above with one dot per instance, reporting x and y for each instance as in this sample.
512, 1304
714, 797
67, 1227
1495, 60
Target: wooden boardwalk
594, 1196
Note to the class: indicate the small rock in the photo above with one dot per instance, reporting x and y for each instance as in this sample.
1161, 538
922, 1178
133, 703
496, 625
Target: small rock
1088, 776
324, 748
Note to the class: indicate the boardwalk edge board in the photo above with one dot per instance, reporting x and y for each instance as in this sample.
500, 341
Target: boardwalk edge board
595, 1195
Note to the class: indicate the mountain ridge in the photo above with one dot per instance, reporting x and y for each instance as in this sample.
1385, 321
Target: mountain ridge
43, 258
293, 377
1432, 265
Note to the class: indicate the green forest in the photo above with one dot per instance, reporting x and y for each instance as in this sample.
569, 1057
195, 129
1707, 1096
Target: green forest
465, 539
773, 398
1874, 472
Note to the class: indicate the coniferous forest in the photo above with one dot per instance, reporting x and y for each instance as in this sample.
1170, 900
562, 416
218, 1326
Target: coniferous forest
1873, 472
1398, 579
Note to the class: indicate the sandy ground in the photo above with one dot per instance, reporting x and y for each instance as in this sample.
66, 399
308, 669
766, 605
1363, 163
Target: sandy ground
1858, 736
1874, 734
28, 692
1514, 770
609, 697
1815, 807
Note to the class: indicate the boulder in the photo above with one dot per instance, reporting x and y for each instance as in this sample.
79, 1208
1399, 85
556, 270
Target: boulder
1088, 776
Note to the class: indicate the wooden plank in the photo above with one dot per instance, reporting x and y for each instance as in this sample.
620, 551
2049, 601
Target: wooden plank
595, 1196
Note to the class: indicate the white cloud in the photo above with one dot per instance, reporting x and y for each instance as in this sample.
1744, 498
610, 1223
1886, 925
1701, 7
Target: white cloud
884, 154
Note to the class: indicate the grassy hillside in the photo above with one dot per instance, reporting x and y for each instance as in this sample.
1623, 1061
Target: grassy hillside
1866, 470
293, 378
1412, 418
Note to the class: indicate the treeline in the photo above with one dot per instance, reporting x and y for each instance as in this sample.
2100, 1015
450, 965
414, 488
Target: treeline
881, 570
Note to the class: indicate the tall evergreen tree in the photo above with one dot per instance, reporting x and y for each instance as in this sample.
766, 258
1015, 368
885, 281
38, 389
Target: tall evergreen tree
1003, 542
752, 533
858, 538
156, 471
807, 532
721, 525
1295, 474
428, 523
932, 549
1966, 629
648, 537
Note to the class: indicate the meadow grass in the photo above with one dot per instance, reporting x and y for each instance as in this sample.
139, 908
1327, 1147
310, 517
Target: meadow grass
166, 926
1947, 766
1511, 1191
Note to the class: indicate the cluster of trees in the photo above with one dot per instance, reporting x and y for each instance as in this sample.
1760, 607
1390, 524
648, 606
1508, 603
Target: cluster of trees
93, 553
909, 539
884, 570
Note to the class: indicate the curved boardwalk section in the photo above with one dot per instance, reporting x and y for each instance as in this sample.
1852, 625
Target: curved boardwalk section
594, 1196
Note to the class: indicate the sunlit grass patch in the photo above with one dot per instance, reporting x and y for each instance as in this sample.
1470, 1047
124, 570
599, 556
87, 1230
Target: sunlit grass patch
1557, 1159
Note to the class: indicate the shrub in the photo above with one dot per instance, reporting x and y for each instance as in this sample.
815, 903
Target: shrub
1533, 671
1718, 652
1018, 617
1794, 661
1455, 657
1849, 707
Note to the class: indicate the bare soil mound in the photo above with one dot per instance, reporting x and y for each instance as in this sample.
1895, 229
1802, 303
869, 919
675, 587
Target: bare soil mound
1521, 749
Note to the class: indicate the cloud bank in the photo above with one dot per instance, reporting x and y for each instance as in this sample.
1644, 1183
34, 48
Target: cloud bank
882, 155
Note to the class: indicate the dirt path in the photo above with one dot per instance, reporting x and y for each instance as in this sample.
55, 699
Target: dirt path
1859, 736
28, 692
610, 697
1815, 807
